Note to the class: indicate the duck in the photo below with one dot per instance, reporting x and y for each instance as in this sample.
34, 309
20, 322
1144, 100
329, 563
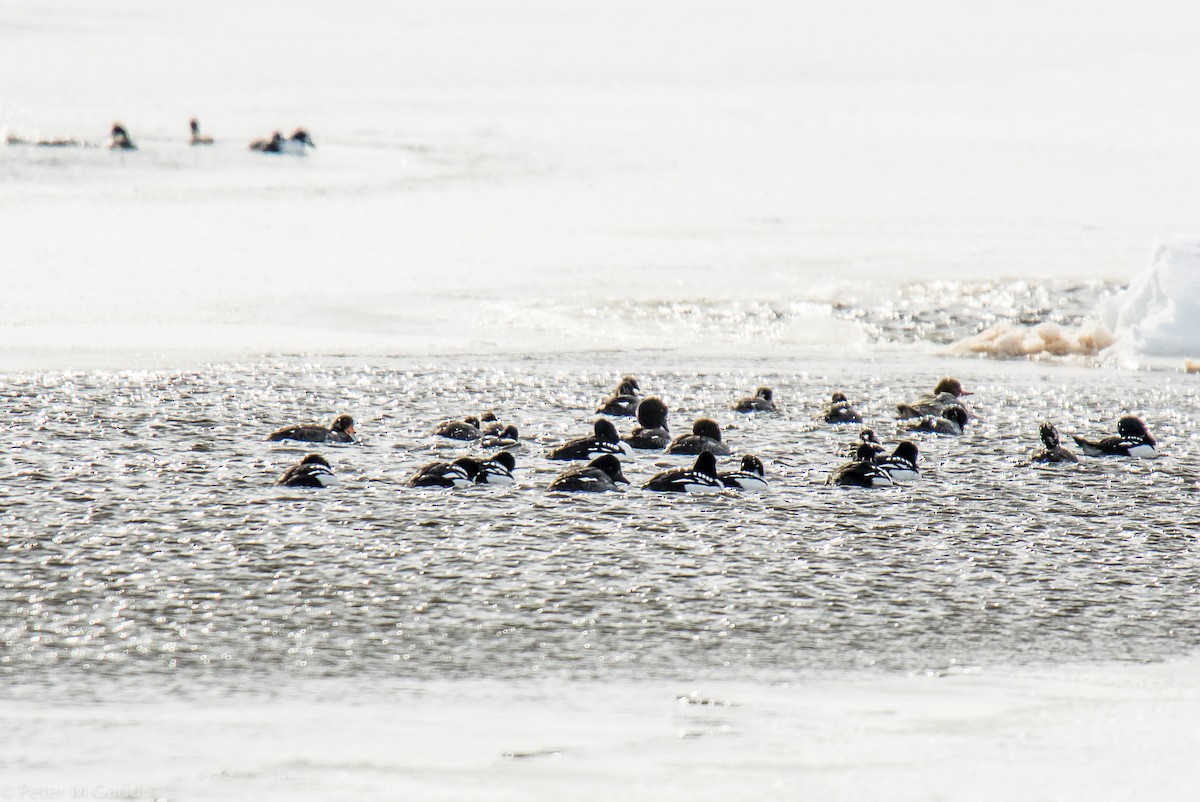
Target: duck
197, 137
861, 472
298, 143
489, 423
504, 438
901, 464
1052, 450
312, 471
623, 401
604, 440
340, 431
947, 392
750, 476
497, 469
295, 145
763, 400
839, 410
867, 437
1132, 440
460, 473
953, 420
465, 429
120, 139
272, 145
702, 477
601, 475
705, 436
653, 434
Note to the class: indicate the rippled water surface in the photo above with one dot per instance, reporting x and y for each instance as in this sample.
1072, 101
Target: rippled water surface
143, 536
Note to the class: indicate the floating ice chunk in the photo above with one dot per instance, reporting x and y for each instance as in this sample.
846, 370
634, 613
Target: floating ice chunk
1159, 313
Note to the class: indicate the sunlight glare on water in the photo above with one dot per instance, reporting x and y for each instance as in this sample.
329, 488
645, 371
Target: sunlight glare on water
146, 538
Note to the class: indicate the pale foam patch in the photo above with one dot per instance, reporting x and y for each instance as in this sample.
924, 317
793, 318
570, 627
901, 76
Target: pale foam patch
1008, 340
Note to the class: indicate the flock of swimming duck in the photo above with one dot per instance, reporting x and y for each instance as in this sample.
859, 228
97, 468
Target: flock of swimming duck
119, 139
942, 411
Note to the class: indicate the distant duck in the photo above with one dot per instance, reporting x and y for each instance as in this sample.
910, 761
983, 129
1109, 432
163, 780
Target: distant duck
839, 410
489, 423
948, 392
953, 420
504, 438
312, 471
653, 433
869, 438
197, 137
763, 400
1052, 450
861, 472
623, 401
702, 477
272, 145
460, 473
599, 476
465, 429
604, 440
1132, 440
120, 139
901, 465
705, 436
297, 144
751, 476
497, 469
340, 431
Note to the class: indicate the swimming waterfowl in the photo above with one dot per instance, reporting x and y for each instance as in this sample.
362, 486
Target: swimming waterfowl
298, 143
868, 437
460, 473
1052, 450
312, 471
750, 476
120, 139
705, 436
861, 472
623, 401
504, 438
272, 145
197, 137
340, 431
953, 420
700, 478
948, 392
653, 433
901, 464
601, 475
465, 429
839, 410
604, 440
763, 400
497, 469
489, 423
1133, 440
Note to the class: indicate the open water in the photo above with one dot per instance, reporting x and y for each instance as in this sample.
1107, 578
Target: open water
146, 542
